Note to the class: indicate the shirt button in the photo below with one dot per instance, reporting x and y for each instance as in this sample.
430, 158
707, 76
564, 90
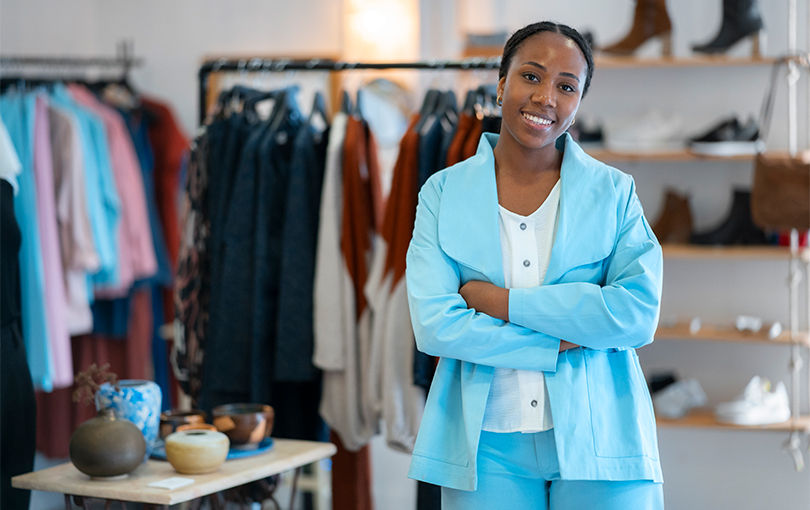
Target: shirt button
522, 226
526, 263
534, 403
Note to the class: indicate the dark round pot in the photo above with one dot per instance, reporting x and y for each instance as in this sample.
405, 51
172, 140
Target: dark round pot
107, 446
246, 425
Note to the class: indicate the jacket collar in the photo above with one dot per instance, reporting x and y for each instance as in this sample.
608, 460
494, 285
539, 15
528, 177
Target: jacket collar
468, 215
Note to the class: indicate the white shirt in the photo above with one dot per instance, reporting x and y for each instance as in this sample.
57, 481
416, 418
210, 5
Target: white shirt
518, 399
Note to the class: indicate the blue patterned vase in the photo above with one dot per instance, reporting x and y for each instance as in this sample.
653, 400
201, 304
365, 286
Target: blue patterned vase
137, 401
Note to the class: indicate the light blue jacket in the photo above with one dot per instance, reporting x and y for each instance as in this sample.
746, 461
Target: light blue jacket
602, 291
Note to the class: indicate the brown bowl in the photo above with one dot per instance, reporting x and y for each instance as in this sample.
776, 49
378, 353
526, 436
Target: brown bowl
196, 426
170, 420
246, 425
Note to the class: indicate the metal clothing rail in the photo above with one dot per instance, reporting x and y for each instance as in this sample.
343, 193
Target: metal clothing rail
256, 64
124, 60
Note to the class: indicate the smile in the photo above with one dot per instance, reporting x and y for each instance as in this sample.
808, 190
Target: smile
537, 120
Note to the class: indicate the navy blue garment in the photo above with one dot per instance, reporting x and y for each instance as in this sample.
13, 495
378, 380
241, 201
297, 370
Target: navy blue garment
294, 327
111, 317
18, 411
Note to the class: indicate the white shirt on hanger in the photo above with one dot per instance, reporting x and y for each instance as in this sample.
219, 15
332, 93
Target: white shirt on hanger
518, 399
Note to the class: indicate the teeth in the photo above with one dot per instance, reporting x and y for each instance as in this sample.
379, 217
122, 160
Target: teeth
537, 120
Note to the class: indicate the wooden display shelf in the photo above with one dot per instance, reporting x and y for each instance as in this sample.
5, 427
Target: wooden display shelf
755, 252
676, 155
713, 333
704, 418
617, 62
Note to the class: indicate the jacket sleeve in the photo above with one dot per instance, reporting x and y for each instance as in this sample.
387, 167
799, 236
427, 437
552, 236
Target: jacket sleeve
621, 313
442, 323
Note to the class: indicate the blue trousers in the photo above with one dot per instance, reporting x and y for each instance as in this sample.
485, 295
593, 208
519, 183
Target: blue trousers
520, 472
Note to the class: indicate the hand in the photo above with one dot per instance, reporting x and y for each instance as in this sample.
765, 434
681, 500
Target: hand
564, 346
486, 298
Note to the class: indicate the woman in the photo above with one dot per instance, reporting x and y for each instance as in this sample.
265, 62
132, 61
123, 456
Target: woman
533, 275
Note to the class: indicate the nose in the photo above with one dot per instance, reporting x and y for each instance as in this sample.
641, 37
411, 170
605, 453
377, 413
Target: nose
544, 95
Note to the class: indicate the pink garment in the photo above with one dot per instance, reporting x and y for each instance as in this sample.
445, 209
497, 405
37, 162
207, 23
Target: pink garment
75, 235
55, 301
135, 234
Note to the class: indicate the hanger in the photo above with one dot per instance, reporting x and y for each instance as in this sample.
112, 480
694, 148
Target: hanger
318, 109
428, 110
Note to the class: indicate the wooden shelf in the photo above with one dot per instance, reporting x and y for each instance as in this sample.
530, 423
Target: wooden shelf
713, 333
754, 252
617, 62
660, 155
704, 418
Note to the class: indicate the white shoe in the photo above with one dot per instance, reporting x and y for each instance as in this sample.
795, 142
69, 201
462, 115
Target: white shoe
678, 398
652, 131
757, 405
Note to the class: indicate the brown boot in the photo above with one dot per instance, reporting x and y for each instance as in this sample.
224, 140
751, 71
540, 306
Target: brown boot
650, 20
675, 223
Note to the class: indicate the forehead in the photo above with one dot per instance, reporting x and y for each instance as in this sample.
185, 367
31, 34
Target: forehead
550, 48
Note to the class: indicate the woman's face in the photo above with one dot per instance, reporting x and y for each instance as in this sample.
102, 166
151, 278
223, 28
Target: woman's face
542, 89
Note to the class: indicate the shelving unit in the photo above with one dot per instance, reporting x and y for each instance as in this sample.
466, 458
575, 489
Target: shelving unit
714, 333
704, 418
616, 62
700, 252
660, 156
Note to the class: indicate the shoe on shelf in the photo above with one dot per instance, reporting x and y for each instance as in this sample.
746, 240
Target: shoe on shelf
741, 19
678, 398
738, 227
649, 20
651, 131
674, 225
757, 405
728, 138
587, 132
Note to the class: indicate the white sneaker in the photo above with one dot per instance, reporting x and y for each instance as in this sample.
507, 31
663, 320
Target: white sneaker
678, 398
652, 131
757, 405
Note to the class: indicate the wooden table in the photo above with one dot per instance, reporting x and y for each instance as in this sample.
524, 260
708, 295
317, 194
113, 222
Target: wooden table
286, 454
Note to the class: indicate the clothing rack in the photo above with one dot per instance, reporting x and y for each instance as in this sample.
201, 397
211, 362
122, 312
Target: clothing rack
61, 67
258, 64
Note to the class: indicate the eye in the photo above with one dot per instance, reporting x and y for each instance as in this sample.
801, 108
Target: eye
568, 88
531, 77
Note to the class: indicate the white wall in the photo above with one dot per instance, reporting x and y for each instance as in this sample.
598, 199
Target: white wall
703, 468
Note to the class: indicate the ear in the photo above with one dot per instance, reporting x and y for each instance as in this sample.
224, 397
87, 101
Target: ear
501, 85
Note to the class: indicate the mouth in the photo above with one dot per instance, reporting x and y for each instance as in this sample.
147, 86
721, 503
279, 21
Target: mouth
537, 121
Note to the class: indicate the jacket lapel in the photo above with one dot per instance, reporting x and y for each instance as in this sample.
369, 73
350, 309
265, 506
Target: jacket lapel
469, 231
468, 217
586, 227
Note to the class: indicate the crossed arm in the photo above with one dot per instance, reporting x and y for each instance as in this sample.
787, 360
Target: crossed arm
492, 300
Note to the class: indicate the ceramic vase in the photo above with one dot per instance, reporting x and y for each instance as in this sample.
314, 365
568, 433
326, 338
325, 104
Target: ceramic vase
137, 401
107, 446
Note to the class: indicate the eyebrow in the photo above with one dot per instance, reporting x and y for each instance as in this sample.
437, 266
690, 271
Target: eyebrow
535, 64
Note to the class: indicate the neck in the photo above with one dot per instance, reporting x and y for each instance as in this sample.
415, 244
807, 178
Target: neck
521, 163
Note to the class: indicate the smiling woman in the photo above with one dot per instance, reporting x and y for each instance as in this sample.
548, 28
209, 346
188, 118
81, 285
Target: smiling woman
533, 275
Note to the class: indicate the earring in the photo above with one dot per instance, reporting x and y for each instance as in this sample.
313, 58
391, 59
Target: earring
574, 121
499, 100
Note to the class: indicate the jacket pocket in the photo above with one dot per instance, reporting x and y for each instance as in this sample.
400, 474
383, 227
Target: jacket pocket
621, 410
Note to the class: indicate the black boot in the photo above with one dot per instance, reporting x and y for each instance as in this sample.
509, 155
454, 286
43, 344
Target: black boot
740, 19
738, 228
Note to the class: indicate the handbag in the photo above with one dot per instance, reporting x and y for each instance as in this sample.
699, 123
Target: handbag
780, 193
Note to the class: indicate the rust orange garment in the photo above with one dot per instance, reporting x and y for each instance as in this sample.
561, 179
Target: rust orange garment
401, 213
465, 124
473, 137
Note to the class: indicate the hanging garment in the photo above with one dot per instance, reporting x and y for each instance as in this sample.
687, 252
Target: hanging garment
294, 323
9, 162
391, 381
192, 286
466, 123
17, 404
346, 406
18, 113
79, 144
55, 299
135, 237
169, 146
74, 214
